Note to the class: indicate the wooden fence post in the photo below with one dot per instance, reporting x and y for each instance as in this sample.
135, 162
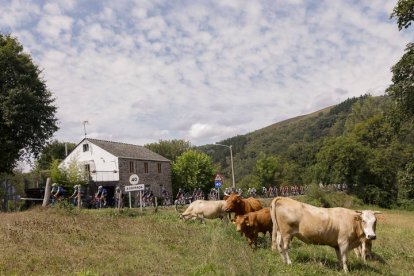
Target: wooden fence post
47, 193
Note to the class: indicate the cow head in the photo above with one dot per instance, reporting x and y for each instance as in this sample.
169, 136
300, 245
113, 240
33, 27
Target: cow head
241, 222
232, 201
368, 223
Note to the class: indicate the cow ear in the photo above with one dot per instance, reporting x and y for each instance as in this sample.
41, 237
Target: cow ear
358, 218
226, 197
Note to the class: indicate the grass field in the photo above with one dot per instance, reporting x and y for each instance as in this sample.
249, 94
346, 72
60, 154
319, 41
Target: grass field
56, 241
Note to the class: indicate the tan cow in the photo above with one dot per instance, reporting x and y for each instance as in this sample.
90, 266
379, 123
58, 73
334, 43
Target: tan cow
253, 223
241, 206
340, 228
204, 209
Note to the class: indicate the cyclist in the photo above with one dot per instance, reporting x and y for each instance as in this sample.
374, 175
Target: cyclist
76, 194
57, 192
102, 195
118, 197
148, 195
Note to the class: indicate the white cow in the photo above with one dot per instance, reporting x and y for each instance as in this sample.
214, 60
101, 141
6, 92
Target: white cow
204, 209
340, 228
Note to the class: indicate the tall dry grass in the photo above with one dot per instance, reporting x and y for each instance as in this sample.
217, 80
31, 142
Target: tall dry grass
56, 241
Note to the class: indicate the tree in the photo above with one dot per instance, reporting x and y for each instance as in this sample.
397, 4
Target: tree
268, 169
53, 151
341, 160
27, 113
170, 149
193, 170
404, 13
402, 88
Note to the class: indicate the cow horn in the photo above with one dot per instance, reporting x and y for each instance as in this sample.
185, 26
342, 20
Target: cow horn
377, 212
358, 211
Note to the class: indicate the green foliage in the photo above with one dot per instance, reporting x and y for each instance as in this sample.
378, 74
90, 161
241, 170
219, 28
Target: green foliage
341, 160
268, 169
170, 149
193, 169
404, 13
26, 106
402, 88
54, 150
250, 181
319, 197
70, 176
406, 182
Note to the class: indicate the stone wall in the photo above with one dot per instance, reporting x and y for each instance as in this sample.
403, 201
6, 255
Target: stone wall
153, 178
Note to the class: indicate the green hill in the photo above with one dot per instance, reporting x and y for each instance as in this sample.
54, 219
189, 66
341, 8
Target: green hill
296, 139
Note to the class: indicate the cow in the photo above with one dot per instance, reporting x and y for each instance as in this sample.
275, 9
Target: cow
241, 206
340, 228
204, 209
253, 223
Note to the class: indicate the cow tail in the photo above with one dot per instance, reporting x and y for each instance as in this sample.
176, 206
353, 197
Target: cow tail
275, 225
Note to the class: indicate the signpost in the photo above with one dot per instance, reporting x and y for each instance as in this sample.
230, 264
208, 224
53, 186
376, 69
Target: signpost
133, 180
218, 181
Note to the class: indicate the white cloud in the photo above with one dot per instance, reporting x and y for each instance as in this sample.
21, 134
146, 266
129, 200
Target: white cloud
141, 71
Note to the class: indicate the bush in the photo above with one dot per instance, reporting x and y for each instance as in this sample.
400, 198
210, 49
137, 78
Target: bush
321, 198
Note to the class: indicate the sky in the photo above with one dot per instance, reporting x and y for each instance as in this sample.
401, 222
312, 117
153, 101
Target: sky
203, 71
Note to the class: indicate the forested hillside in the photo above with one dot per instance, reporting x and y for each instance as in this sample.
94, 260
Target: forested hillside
352, 142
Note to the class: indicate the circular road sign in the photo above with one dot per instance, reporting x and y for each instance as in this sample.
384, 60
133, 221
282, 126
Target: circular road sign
133, 179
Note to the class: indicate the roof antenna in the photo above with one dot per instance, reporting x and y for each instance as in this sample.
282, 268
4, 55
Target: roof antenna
84, 126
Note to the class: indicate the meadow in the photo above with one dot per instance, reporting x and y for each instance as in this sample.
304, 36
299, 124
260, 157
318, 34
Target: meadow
66, 241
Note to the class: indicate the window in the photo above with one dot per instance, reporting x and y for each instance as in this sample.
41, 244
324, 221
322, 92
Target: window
145, 167
159, 167
87, 168
131, 167
85, 147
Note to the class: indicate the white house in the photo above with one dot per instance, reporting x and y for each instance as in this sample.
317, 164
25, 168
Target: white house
110, 164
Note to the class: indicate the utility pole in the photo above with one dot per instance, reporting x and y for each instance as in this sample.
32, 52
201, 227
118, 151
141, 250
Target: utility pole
231, 159
84, 126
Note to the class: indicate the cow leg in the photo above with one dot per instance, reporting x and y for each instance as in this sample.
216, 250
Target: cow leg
339, 257
342, 257
364, 251
285, 247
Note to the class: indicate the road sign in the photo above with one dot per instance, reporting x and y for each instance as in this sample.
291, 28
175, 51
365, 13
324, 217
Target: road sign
218, 181
133, 179
218, 177
139, 187
218, 184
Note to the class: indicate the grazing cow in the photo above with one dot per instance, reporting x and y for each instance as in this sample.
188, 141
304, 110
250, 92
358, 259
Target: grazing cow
205, 209
253, 223
241, 206
340, 228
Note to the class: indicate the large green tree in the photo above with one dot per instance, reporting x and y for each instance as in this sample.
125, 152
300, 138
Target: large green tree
268, 169
27, 111
170, 149
402, 88
54, 150
193, 169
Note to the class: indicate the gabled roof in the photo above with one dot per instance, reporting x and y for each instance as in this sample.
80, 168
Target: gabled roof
128, 150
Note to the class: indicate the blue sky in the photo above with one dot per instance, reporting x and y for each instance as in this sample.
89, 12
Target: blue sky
140, 71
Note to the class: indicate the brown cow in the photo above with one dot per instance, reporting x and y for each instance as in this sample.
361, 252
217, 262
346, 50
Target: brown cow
340, 228
241, 206
253, 223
